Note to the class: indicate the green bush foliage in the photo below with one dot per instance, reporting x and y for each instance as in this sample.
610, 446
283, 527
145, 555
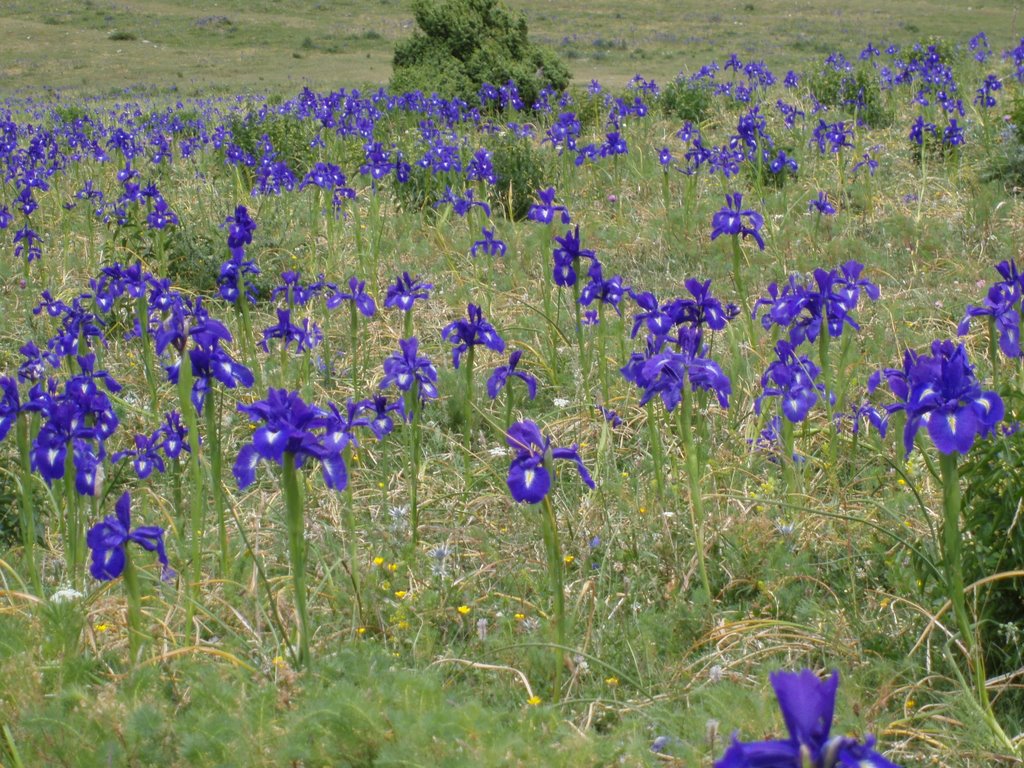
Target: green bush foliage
462, 44
856, 92
686, 100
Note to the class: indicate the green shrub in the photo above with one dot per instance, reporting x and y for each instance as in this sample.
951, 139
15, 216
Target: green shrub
461, 44
994, 539
289, 136
857, 92
686, 100
520, 173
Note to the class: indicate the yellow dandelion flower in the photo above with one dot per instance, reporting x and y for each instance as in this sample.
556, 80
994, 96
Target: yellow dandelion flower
519, 616
568, 559
102, 627
378, 561
464, 609
612, 681
392, 567
403, 624
533, 701
400, 593
361, 631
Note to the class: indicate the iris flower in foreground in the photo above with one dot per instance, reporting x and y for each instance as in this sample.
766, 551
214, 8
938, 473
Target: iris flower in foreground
528, 477
807, 705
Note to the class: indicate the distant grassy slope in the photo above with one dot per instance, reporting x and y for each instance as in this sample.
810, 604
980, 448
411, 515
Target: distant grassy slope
96, 45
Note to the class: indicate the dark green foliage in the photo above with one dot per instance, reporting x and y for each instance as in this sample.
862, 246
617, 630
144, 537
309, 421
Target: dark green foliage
856, 92
520, 172
1006, 161
289, 136
945, 50
462, 44
686, 100
993, 481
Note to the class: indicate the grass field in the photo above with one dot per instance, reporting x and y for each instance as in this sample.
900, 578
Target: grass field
432, 606
96, 45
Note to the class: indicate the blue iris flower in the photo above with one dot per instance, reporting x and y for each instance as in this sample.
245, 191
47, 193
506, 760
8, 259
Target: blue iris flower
528, 477
107, 541
807, 704
941, 392
290, 425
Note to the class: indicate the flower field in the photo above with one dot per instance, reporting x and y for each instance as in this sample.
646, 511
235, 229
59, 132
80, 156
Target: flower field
360, 428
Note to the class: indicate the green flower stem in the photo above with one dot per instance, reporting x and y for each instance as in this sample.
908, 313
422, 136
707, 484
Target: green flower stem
197, 501
142, 312
665, 194
408, 327
741, 287
28, 518
353, 534
242, 305
602, 352
212, 411
467, 405
136, 633
656, 453
684, 423
161, 252
412, 407
296, 551
581, 350
73, 516
993, 351
824, 343
549, 529
953, 566
786, 429
353, 346
509, 402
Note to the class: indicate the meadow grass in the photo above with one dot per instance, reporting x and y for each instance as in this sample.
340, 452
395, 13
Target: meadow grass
440, 651
279, 46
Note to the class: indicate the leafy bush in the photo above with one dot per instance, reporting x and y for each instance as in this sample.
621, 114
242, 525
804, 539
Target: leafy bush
856, 92
461, 44
686, 100
520, 173
994, 537
290, 137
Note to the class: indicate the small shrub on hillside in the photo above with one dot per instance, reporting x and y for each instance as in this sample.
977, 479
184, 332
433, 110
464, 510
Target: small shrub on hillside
856, 92
461, 44
686, 100
520, 172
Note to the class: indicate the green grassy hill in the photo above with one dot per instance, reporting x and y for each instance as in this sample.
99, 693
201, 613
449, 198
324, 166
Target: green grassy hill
96, 45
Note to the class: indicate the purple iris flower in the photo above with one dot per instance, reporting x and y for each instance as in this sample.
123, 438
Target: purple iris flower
10, 404
499, 378
169, 437
544, 212
405, 291
730, 220
528, 477
289, 425
1001, 305
490, 245
822, 205
107, 541
304, 336
941, 392
791, 378
598, 289
356, 293
567, 258
471, 331
666, 373
295, 293
241, 228
805, 310
807, 705
406, 367
381, 423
